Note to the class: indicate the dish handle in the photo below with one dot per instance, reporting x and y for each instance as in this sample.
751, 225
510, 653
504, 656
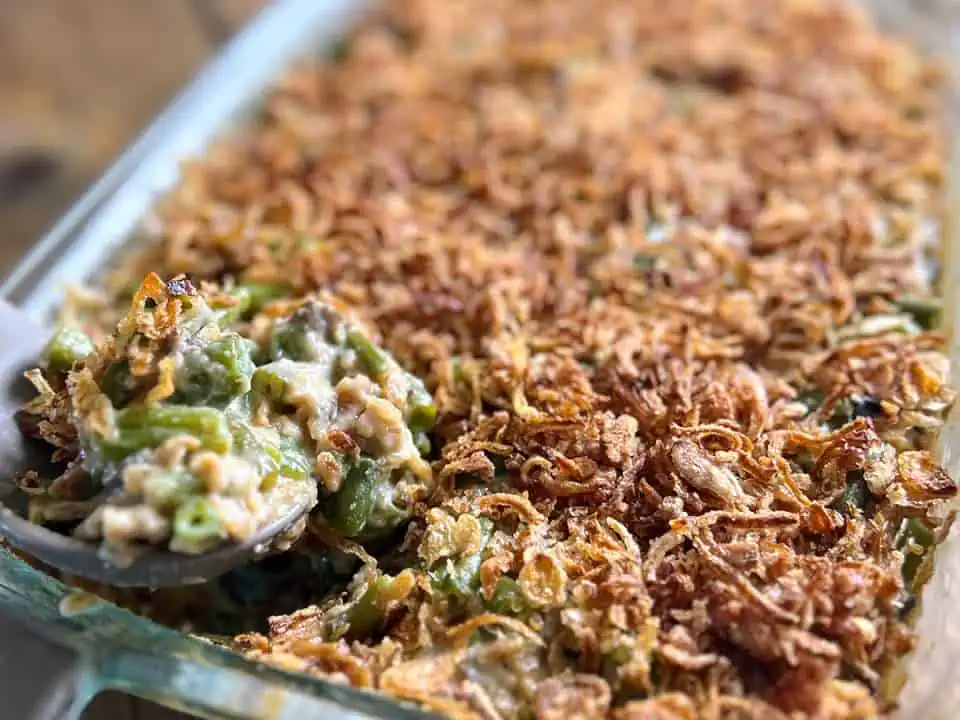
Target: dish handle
44, 680
40, 679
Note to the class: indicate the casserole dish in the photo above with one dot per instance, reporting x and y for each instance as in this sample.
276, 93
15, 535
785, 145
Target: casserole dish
204, 111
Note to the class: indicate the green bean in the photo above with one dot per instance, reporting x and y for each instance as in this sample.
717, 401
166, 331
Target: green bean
856, 495
372, 358
118, 383
917, 531
461, 578
926, 312
67, 347
842, 414
910, 567
251, 297
508, 597
365, 614
422, 417
500, 469
644, 261
142, 427
812, 398
234, 352
271, 452
384, 515
257, 294
353, 502
217, 373
293, 341
423, 412
459, 376
619, 655
169, 489
914, 533
128, 442
422, 441
270, 382
207, 423
290, 458
197, 525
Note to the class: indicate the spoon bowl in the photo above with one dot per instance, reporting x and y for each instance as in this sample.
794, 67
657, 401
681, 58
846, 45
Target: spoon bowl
22, 341
152, 568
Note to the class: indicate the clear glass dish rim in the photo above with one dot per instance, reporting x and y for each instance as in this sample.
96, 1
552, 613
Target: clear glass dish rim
119, 650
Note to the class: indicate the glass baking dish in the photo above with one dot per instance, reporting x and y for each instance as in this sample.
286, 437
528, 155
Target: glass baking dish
103, 647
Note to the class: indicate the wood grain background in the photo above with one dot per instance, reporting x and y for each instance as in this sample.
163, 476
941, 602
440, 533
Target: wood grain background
78, 80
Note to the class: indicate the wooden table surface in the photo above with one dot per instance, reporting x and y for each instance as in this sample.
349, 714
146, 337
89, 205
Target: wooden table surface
78, 80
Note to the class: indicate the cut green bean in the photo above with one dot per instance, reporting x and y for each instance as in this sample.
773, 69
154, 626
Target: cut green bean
925, 311
914, 534
371, 358
67, 347
353, 503
842, 414
812, 398
644, 261
269, 451
170, 489
508, 597
271, 382
385, 515
118, 384
460, 579
197, 525
367, 612
422, 417
422, 414
234, 353
856, 495
422, 441
217, 373
289, 457
916, 531
459, 376
140, 428
292, 341
620, 655
251, 297
205, 422
255, 295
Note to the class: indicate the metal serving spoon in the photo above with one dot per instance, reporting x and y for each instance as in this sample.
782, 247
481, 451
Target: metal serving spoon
22, 340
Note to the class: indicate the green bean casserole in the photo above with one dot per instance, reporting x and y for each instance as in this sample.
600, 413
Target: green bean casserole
602, 337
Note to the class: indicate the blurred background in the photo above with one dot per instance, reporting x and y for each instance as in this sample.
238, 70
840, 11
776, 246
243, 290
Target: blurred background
78, 80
